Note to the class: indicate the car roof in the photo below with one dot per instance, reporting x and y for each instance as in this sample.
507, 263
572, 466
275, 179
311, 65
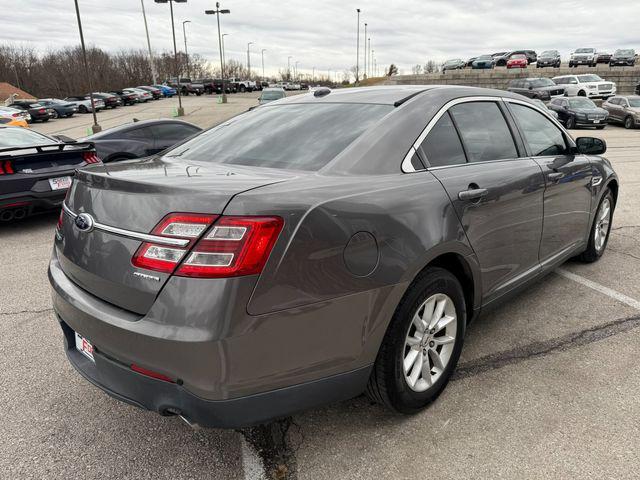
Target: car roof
386, 95
140, 124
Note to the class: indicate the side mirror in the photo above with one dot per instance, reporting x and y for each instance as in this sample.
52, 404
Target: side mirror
591, 145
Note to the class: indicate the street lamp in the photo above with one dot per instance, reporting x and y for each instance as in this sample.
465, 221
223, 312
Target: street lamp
217, 13
262, 53
249, 58
358, 49
186, 52
369, 59
95, 128
364, 69
373, 59
289, 67
175, 51
295, 71
146, 29
224, 58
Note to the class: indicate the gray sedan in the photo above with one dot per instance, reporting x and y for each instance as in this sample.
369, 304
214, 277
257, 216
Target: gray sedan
317, 247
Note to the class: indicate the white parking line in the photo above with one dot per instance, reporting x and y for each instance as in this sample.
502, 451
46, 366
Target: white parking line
621, 297
252, 464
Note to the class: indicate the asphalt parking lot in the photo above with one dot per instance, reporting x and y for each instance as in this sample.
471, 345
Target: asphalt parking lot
547, 386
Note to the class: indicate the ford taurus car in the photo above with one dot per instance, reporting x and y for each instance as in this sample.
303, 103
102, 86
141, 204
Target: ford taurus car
318, 247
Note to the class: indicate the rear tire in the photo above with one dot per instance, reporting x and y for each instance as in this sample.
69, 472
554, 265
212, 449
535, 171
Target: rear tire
582, 93
55, 115
434, 298
600, 230
83, 109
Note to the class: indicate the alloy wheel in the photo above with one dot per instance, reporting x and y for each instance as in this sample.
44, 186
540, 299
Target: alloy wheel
429, 342
603, 221
628, 122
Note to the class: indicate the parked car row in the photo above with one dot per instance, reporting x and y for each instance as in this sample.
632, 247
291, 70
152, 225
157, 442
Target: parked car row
549, 58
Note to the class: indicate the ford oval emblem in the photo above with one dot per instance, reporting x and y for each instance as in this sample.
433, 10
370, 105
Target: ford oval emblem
84, 222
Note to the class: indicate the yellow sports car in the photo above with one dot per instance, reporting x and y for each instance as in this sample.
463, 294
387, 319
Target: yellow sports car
14, 117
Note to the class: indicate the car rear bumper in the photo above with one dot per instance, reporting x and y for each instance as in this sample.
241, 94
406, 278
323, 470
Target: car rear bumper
33, 200
166, 398
231, 368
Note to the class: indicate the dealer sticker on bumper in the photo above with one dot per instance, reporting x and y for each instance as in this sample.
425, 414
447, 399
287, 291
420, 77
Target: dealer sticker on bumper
84, 346
59, 183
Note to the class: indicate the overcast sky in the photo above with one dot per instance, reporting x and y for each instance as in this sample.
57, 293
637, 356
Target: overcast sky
322, 33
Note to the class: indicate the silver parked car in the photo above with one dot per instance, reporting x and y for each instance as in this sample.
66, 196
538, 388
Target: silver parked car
319, 246
271, 94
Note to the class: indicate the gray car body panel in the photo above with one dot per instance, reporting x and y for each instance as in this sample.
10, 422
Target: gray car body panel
356, 233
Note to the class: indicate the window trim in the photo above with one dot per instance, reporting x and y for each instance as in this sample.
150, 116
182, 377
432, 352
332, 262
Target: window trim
406, 165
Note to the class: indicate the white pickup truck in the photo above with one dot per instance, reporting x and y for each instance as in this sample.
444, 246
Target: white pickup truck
243, 85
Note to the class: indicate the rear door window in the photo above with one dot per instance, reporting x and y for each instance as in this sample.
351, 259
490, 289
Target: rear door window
540, 134
442, 146
484, 131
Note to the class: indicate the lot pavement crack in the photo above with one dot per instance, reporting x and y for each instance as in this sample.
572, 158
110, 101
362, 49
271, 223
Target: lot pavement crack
540, 349
26, 311
277, 444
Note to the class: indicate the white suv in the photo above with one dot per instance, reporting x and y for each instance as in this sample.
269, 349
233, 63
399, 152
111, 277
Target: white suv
587, 85
584, 56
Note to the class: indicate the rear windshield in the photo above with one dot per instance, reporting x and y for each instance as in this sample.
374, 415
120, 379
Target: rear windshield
295, 136
272, 95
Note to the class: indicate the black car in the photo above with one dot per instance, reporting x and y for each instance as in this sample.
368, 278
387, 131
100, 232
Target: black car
604, 57
155, 92
531, 55
128, 98
110, 100
140, 139
36, 170
38, 112
469, 63
623, 58
539, 88
483, 62
579, 112
60, 108
549, 58
638, 89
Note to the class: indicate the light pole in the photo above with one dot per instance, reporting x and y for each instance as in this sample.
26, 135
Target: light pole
373, 59
358, 50
154, 75
217, 13
249, 59
369, 60
186, 52
262, 53
175, 52
364, 69
95, 128
224, 58
289, 67
295, 71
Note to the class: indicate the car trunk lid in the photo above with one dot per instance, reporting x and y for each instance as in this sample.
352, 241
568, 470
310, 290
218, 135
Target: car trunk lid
133, 197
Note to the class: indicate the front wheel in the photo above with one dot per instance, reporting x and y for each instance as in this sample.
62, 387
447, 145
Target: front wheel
422, 344
55, 115
628, 122
571, 123
600, 229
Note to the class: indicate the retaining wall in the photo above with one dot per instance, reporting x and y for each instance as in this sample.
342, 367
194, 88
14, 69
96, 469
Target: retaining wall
626, 78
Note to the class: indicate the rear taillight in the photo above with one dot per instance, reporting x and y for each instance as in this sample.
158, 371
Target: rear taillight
60, 220
232, 247
91, 157
162, 258
42, 110
16, 115
6, 167
150, 373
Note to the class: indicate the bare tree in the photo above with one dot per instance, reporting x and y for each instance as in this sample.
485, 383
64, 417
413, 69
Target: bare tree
392, 70
416, 69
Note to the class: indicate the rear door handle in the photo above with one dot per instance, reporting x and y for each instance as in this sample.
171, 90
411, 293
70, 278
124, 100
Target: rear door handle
555, 176
473, 194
